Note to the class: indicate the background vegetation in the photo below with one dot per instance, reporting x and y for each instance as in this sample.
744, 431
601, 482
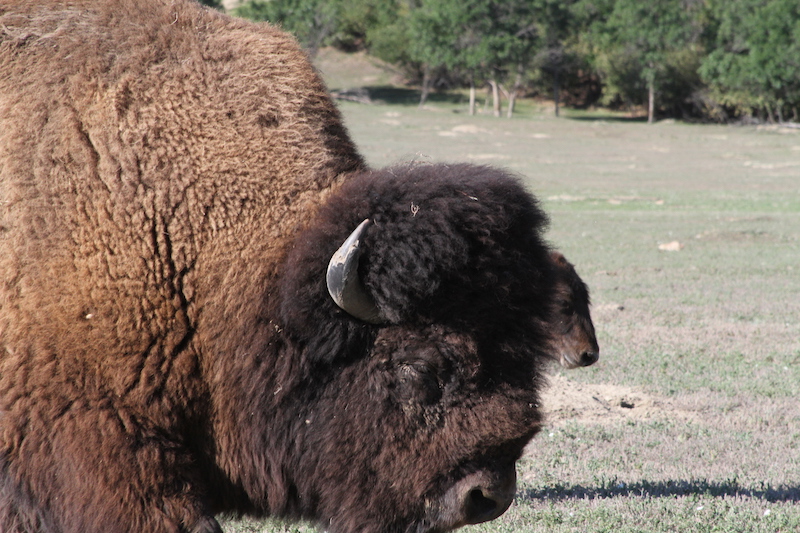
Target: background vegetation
710, 59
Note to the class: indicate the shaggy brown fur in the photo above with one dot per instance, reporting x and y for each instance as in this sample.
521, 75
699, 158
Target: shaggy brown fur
172, 185
573, 342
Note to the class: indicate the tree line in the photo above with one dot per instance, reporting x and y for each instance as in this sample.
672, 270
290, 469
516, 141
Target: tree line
709, 59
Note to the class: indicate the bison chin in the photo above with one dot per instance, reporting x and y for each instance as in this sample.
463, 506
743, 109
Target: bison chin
478, 497
432, 444
474, 499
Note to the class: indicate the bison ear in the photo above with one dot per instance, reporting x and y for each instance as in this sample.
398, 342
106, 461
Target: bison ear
345, 286
558, 258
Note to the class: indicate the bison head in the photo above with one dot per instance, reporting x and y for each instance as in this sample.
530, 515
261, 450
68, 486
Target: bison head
422, 384
572, 337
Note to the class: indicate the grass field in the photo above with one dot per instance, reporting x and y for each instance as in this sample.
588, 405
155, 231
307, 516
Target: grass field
689, 238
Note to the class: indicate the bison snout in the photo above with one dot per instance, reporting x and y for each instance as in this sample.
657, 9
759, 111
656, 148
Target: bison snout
481, 496
576, 357
482, 505
589, 358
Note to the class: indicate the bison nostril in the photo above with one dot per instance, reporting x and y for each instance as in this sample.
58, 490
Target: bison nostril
589, 358
481, 506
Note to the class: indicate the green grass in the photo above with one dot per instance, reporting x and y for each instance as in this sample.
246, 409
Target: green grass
709, 335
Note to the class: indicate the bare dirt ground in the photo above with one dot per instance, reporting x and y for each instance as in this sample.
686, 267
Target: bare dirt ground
569, 401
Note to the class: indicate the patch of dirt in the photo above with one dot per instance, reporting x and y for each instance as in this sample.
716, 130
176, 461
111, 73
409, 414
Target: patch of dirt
468, 128
736, 236
568, 401
673, 246
462, 129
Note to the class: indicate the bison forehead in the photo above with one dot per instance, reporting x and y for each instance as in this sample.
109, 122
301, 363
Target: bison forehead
472, 247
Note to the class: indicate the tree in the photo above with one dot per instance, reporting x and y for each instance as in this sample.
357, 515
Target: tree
448, 34
389, 37
643, 35
377, 25
512, 37
311, 21
555, 20
476, 39
216, 4
754, 63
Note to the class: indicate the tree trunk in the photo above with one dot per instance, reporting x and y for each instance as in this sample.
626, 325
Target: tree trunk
471, 96
495, 97
504, 93
556, 88
426, 85
651, 98
512, 95
512, 99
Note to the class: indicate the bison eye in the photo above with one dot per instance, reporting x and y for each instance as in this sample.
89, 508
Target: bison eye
417, 383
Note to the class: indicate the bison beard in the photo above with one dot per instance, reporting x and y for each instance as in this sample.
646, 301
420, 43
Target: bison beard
173, 185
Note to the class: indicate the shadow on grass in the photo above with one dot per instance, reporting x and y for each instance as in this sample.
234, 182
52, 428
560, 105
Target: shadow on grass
395, 96
608, 118
662, 489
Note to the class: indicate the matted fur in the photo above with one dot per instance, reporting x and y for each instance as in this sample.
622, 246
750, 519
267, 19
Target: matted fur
172, 185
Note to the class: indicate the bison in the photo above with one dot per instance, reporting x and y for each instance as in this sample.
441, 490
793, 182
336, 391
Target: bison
573, 340
209, 303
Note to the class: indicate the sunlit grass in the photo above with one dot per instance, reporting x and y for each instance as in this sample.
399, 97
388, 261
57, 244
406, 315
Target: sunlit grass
712, 331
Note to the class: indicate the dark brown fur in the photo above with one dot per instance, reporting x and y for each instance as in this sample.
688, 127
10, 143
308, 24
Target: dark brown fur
172, 184
573, 342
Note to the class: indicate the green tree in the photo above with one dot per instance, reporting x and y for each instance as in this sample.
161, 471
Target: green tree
216, 4
639, 38
513, 36
362, 23
388, 37
311, 21
555, 22
478, 39
754, 63
431, 30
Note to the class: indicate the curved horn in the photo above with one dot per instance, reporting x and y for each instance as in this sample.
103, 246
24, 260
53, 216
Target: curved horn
344, 284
